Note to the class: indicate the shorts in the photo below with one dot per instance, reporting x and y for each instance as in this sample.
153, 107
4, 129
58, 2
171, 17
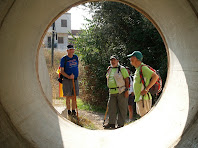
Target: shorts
131, 100
68, 87
142, 110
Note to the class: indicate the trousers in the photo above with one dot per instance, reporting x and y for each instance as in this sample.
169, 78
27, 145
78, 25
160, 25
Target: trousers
117, 109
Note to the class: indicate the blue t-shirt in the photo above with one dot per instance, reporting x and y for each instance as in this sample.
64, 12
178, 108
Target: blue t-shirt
71, 66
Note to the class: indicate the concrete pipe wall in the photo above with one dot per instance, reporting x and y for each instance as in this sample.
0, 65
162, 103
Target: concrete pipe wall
27, 118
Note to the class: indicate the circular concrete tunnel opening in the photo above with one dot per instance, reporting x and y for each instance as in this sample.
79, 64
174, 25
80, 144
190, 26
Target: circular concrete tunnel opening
59, 50
36, 123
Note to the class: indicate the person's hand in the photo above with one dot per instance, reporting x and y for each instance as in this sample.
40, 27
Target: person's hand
132, 94
143, 92
71, 76
126, 94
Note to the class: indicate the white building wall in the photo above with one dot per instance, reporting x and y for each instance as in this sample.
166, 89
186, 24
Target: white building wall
59, 29
62, 46
61, 32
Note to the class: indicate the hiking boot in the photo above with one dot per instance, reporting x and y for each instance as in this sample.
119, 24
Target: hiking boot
119, 126
73, 113
109, 126
69, 112
131, 120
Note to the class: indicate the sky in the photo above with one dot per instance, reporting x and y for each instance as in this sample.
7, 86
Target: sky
77, 17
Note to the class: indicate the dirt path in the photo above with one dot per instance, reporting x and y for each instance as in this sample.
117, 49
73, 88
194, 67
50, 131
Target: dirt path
95, 117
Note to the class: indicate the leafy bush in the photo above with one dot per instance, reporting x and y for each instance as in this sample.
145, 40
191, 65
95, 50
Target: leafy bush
116, 29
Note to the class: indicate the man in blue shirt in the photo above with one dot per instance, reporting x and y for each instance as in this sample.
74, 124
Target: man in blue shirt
69, 70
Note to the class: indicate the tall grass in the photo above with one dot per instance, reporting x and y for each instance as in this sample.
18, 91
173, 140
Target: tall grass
52, 69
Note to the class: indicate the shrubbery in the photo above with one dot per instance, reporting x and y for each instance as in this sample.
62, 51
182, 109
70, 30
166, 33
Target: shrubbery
116, 29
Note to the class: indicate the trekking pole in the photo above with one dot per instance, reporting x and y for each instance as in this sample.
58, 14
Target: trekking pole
105, 115
75, 98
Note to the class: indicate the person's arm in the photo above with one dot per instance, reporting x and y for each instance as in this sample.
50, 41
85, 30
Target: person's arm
126, 93
154, 78
126, 82
66, 75
125, 75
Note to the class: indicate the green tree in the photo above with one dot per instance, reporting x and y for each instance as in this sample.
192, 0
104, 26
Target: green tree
116, 29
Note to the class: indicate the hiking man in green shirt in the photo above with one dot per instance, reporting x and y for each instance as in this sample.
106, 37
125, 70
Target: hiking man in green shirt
143, 97
118, 83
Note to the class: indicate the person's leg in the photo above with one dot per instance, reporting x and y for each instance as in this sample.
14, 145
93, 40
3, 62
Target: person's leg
68, 103
67, 91
139, 108
130, 107
112, 109
143, 106
130, 112
134, 107
73, 105
73, 97
147, 105
122, 109
112, 105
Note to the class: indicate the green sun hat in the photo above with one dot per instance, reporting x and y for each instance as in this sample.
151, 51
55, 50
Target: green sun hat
137, 54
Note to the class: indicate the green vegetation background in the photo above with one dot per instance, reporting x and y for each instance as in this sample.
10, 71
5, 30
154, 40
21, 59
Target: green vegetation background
115, 29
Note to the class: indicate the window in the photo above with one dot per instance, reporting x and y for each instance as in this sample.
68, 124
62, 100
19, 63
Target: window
63, 23
60, 40
49, 38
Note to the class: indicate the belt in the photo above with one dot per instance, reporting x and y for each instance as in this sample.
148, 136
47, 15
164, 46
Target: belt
114, 88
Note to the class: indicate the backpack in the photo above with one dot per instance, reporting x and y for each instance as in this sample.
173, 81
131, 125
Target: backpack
119, 69
60, 78
157, 87
118, 76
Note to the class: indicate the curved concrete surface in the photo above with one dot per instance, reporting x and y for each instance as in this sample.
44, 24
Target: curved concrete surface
26, 115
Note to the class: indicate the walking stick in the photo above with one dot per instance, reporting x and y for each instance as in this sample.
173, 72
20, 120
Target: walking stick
105, 115
75, 98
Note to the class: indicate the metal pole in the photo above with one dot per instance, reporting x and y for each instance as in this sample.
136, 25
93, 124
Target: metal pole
53, 30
